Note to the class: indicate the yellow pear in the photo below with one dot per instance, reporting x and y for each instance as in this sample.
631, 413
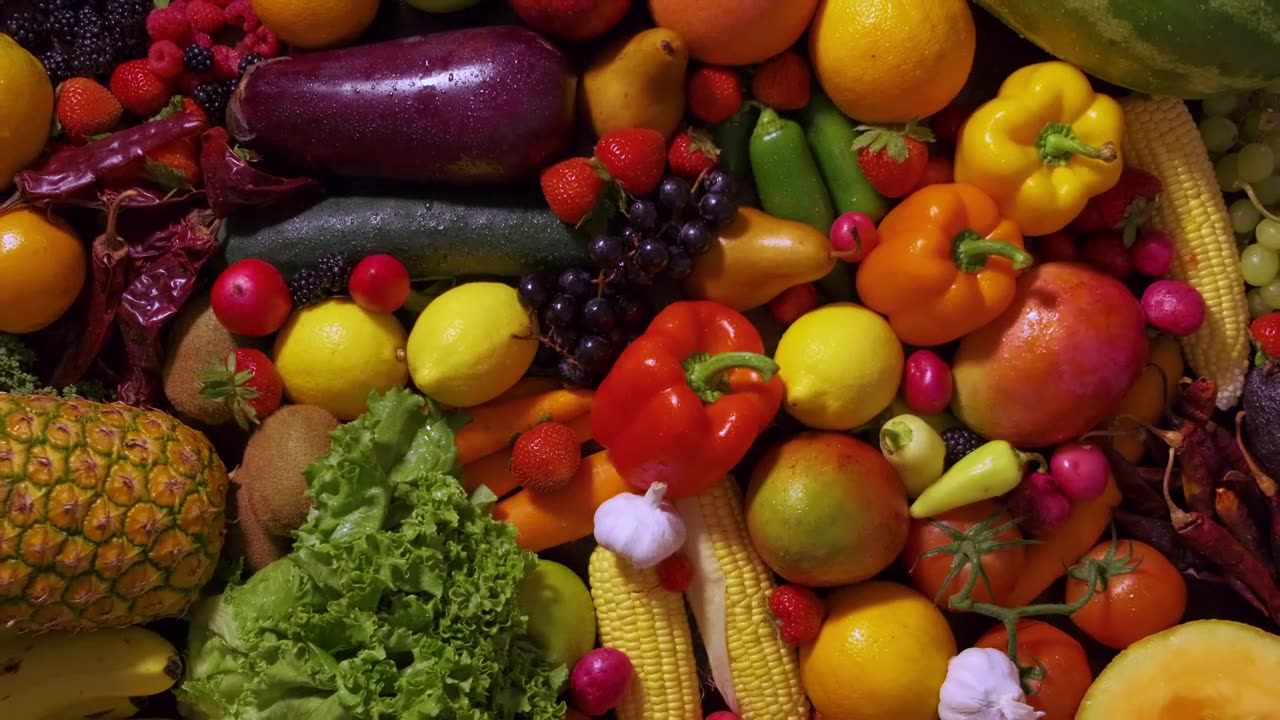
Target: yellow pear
637, 82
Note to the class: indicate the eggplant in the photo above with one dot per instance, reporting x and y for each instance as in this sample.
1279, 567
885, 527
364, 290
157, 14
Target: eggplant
465, 107
1262, 416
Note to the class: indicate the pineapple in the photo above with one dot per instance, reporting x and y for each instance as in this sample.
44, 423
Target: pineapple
110, 515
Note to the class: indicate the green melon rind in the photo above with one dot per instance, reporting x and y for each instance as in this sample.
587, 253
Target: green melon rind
1184, 48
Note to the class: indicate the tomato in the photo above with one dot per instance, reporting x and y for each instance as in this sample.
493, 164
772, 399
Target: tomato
938, 171
1001, 566
1150, 598
1066, 666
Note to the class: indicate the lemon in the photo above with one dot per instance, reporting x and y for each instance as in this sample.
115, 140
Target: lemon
333, 354
472, 344
42, 269
840, 365
891, 641
26, 109
562, 619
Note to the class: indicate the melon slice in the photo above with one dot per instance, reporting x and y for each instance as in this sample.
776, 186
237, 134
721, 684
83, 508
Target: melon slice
1197, 670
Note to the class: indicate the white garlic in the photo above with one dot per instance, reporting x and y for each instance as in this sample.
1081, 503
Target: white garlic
644, 530
982, 684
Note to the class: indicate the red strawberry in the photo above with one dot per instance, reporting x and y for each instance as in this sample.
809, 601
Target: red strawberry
546, 457
175, 165
675, 573
635, 157
86, 108
138, 89
1125, 207
782, 82
1266, 333
692, 152
715, 93
191, 107
248, 382
797, 612
572, 188
893, 159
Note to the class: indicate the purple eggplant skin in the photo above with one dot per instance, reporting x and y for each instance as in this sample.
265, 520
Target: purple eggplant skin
1262, 416
465, 107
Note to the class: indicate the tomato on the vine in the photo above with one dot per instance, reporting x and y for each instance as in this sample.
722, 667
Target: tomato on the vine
931, 550
1061, 658
1129, 606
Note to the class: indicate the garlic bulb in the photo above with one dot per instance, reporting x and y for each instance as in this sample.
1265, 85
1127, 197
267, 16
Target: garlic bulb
644, 530
982, 684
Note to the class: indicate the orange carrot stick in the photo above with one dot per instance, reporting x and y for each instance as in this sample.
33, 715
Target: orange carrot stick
495, 470
544, 521
528, 386
495, 425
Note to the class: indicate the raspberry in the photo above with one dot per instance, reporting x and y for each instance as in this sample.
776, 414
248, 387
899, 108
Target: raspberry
168, 24
225, 63
165, 59
204, 40
238, 13
268, 43
204, 16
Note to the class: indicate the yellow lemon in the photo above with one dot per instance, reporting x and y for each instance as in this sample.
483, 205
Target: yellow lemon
333, 354
26, 109
881, 655
42, 268
840, 364
472, 344
313, 24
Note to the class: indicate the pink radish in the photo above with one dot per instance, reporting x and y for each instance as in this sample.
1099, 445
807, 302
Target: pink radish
1152, 254
1056, 247
1174, 307
600, 680
926, 382
853, 235
1041, 505
1079, 470
251, 298
722, 715
379, 283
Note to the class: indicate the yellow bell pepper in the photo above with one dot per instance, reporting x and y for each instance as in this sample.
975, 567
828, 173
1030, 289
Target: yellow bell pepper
1043, 146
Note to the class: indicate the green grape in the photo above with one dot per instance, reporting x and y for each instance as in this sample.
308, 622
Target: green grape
1259, 265
1270, 294
1257, 304
1220, 105
1256, 162
1218, 133
1268, 234
1273, 141
1228, 170
1256, 124
1244, 216
1268, 191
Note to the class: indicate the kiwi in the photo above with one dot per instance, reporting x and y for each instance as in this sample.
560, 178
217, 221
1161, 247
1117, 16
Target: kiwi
278, 452
196, 340
248, 539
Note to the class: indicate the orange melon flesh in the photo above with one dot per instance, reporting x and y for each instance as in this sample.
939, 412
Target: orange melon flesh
1197, 670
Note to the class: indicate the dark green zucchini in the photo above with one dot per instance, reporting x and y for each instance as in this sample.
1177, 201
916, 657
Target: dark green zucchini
492, 232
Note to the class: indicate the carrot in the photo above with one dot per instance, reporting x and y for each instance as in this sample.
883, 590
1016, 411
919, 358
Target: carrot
495, 470
495, 425
544, 521
530, 385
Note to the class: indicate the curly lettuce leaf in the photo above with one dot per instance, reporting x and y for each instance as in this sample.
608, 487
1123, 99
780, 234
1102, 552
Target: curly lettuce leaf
398, 600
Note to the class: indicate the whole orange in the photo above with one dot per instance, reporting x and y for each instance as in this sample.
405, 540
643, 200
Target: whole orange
735, 32
42, 268
315, 24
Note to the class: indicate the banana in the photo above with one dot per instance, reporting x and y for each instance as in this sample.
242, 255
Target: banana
42, 677
110, 708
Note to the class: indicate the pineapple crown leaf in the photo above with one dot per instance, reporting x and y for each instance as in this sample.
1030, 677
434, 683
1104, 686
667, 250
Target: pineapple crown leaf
222, 381
891, 139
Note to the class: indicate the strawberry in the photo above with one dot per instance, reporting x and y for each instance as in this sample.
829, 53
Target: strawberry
782, 82
248, 382
797, 612
692, 152
175, 165
86, 108
715, 93
138, 89
572, 188
893, 159
1266, 333
1125, 207
546, 457
675, 573
635, 157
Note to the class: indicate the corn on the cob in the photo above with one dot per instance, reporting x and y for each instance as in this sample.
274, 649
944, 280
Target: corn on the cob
755, 671
648, 623
1161, 138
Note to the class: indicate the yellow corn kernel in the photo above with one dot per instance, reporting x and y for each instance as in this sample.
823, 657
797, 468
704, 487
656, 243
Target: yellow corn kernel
755, 671
637, 616
1161, 138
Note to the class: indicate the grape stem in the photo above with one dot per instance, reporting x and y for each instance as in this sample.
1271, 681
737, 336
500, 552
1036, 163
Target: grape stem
1257, 204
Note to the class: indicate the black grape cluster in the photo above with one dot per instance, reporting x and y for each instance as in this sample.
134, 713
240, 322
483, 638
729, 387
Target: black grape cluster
588, 315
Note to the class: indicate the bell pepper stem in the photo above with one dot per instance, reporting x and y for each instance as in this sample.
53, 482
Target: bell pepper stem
1058, 142
970, 252
705, 372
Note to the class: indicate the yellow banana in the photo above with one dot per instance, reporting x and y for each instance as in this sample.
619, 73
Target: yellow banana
110, 708
42, 676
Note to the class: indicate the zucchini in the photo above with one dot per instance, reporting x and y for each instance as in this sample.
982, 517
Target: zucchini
457, 233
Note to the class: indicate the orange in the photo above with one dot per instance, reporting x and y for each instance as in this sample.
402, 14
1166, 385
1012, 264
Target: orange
734, 32
882, 654
42, 268
890, 61
314, 24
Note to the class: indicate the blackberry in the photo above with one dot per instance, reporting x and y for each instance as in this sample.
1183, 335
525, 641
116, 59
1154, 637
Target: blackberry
63, 24
28, 30
327, 278
126, 24
198, 59
960, 442
89, 26
49, 7
57, 66
249, 60
213, 97
94, 58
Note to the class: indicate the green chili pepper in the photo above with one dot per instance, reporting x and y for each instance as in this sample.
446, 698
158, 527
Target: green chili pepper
915, 450
733, 137
787, 179
831, 137
988, 472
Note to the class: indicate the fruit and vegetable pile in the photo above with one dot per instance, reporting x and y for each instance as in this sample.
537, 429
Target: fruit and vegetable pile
665, 360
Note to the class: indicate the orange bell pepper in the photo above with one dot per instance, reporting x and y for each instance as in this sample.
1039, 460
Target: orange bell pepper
946, 265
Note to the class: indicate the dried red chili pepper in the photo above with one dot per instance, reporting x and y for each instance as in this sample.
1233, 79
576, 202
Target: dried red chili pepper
231, 182
1265, 484
1159, 534
1235, 517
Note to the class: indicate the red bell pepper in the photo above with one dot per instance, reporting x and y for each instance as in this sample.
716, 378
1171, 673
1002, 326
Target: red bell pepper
685, 401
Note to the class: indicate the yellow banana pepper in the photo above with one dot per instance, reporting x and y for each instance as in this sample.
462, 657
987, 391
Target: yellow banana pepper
1043, 146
